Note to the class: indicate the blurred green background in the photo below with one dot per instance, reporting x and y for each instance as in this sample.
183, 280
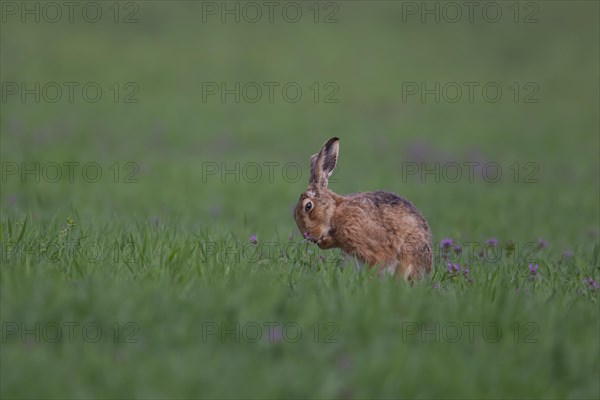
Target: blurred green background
364, 55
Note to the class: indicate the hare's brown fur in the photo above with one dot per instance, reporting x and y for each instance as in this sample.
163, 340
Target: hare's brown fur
379, 228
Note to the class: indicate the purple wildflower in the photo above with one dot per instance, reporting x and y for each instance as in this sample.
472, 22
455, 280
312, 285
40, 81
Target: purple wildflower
305, 234
466, 276
446, 243
252, 239
591, 284
457, 249
533, 269
492, 242
452, 268
541, 244
436, 286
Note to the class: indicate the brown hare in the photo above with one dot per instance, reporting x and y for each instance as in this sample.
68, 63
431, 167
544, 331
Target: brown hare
379, 228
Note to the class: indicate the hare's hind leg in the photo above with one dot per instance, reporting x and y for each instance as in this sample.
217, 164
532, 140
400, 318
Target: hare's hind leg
416, 261
407, 270
388, 269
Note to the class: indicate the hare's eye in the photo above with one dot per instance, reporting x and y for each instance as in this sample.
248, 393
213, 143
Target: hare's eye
308, 206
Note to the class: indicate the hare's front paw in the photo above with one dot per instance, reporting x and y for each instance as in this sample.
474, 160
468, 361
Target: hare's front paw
326, 242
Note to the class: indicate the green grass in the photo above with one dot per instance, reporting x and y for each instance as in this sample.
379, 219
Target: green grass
374, 337
164, 265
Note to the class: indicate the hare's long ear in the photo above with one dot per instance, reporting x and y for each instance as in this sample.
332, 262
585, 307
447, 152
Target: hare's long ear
323, 164
314, 174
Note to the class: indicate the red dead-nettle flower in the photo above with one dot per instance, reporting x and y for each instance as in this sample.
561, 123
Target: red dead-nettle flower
591, 284
452, 268
533, 270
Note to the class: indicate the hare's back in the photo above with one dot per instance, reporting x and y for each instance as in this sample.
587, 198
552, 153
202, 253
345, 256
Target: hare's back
391, 208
